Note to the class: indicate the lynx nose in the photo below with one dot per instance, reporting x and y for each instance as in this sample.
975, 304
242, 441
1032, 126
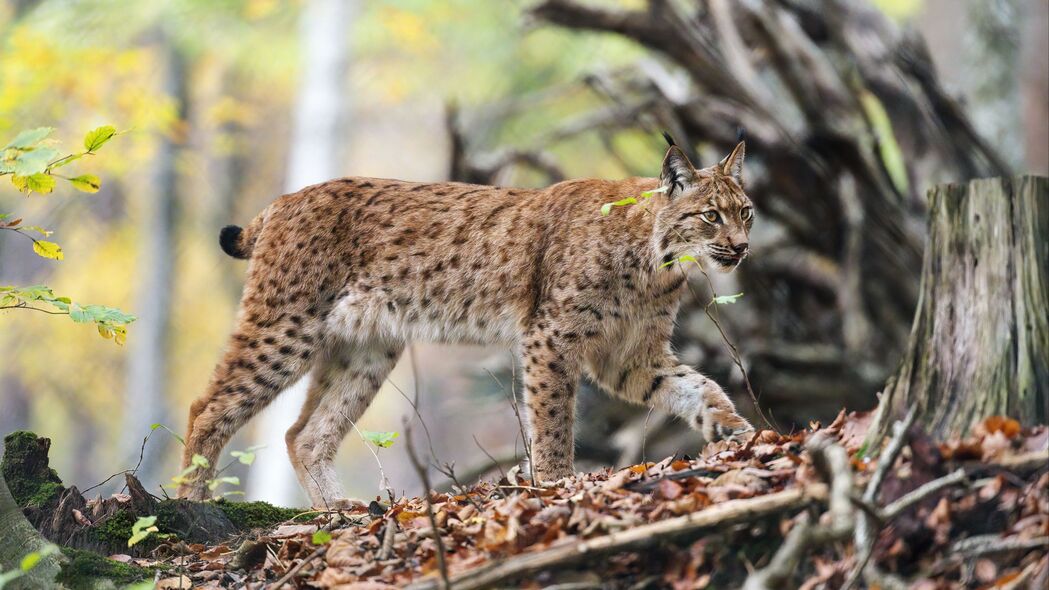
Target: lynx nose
741, 249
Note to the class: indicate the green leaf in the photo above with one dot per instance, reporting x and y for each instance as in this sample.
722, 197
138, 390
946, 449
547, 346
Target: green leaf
170, 431
321, 537
682, 258
30, 561
34, 183
889, 150
48, 250
607, 207
98, 137
726, 299
142, 529
648, 194
200, 461
245, 457
38, 229
34, 558
143, 523
229, 479
32, 161
88, 183
30, 137
380, 439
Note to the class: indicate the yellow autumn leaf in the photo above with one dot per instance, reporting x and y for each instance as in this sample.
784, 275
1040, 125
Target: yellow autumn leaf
88, 183
48, 249
34, 183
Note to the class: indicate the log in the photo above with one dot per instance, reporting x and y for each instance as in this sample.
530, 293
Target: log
979, 345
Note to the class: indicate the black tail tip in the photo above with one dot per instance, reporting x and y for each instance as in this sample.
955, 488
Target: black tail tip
669, 138
229, 239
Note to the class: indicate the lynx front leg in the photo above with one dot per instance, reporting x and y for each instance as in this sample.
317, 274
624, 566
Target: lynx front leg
550, 379
666, 384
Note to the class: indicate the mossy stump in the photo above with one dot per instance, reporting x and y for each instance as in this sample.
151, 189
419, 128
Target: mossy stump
103, 526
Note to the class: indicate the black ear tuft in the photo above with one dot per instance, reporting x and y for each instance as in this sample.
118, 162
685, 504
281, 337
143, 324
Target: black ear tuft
677, 173
669, 138
741, 134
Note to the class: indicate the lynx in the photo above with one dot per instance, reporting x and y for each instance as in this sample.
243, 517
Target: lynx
343, 274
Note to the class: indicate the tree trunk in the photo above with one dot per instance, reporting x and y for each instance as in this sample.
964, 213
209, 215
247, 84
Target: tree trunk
979, 345
18, 538
149, 347
317, 138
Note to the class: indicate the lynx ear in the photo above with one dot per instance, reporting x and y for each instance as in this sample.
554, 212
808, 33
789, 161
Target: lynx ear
732, 165
678, 173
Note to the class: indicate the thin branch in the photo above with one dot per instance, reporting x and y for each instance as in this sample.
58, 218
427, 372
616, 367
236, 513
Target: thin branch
294, 571
25, 305
420, 469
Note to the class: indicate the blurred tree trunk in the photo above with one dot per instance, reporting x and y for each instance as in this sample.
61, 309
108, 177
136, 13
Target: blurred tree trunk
149, 347
1034, 85
18, 538
846, 124
318, 134
980, 342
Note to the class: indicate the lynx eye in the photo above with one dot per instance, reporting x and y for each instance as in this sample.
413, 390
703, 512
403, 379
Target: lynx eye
711, 216
746, 213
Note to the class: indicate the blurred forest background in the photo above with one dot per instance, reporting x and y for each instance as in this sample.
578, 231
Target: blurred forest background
229, 103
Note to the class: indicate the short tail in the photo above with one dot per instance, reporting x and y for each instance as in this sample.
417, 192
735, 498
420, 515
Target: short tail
238, 242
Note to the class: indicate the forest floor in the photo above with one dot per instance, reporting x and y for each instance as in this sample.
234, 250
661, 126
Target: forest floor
796, 510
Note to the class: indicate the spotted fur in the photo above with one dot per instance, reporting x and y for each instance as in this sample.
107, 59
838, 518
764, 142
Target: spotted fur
344, 273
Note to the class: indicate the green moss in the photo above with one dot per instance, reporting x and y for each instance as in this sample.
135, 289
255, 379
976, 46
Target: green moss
85, 568
255, 515
25, 469
115, 530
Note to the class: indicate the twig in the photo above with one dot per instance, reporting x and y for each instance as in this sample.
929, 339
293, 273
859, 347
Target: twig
834, 461
866, 530
420, 468
910, 499
984, 544
388, 538
294, 571
525, 439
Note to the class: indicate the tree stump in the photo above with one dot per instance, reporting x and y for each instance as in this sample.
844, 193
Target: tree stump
979, 344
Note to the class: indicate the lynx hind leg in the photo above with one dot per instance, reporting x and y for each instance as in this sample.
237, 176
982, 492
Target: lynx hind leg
344, 382
261, 360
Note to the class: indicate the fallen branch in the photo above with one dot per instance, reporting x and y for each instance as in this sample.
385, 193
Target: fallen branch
805, 535
866, 531
685, 527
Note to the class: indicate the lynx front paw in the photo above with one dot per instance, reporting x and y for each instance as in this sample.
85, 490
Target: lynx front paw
718, 418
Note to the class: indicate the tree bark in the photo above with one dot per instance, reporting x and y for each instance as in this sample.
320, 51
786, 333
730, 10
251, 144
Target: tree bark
979, 345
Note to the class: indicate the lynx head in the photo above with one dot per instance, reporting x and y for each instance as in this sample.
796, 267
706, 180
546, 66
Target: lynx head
707, 212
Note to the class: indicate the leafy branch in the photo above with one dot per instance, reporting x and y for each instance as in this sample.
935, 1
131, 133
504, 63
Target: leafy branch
110, 322
32, 162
